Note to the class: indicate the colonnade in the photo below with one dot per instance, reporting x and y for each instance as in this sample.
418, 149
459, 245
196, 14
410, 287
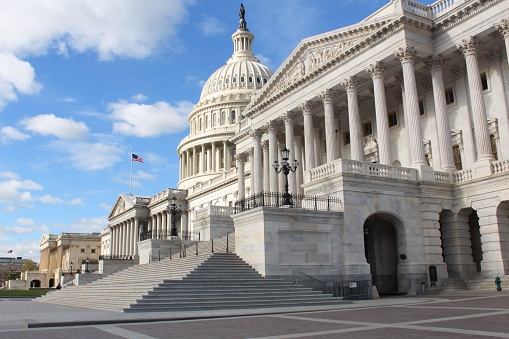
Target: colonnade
209, 157
309, 156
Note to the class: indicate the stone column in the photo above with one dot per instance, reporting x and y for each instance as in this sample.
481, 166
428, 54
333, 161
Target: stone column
184, 227
165, 228
225, 155
280, 145
299, 174
376, 71
136, 234
503, 28
289, 139
273, 154
337, 136
117, 234
188, 164
252, 166
128, 237
442, 119
317, 142
202, 159
122, 238
213, 157
308, 135
266, 166
195, 160
354, 120
482, 135
406, 56
113, 241
256, 135
241, 181
456, 243
330, 134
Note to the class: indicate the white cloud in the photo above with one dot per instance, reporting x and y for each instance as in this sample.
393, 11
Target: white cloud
142, 120
86, 225
8, 134
16, 76
139, 97
264, 60
9, 175
16, 192
49, 199
132, 29
24, 226
91, 156
107, 207
142, 175
28, 249
211, 26
49, 124
68, 100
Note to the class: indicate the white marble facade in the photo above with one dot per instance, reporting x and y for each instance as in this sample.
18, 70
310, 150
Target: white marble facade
403, 116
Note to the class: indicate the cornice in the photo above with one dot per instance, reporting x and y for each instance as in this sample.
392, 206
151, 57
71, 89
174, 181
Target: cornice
483, 185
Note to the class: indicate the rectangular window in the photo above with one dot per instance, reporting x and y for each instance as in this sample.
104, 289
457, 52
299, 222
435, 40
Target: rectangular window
484, 81
494, 146
449, 95
457, 157
393, 118
346, 138
82, 250
367, 128
422, 110
93, 250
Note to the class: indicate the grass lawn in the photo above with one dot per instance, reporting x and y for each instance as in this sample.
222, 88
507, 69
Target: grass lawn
24, 293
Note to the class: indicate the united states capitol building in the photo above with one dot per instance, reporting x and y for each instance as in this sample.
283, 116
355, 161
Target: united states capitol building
397, 125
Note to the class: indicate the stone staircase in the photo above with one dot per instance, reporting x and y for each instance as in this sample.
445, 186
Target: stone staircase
474, 282
196, 282
455, 283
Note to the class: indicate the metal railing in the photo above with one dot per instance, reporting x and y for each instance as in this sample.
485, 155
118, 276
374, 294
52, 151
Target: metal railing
275, 199
163, 235
115, 257
348, 290
224, 244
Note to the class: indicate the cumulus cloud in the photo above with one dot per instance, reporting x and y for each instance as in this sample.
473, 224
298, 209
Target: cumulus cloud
142, 175
49, 199
143, 120
49, 124
9, 134
86, 225
139, 97
32, 28
28, 249
17, 192
211, 26
9, 175
87, 156
24, 226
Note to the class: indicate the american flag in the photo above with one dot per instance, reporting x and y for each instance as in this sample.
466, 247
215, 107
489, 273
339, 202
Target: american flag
136, 158
9, 251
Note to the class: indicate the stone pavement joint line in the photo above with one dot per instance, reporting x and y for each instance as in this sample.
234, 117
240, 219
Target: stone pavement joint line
122, 332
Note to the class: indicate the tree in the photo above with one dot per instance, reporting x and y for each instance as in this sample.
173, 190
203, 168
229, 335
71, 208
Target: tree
29, 265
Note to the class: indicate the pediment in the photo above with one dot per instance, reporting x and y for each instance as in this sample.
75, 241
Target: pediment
315, 54
124, 202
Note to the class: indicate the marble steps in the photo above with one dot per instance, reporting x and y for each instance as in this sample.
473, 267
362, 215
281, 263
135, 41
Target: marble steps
487, 283
455, 283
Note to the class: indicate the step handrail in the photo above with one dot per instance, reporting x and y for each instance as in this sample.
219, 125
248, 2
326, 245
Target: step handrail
310, 282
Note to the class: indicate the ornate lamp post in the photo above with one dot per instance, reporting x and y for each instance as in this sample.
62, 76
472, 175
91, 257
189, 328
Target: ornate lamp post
286, 168
173, 210
86, 265
71, 267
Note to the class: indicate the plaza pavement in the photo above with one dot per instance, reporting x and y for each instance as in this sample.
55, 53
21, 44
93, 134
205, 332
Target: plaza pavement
461, 314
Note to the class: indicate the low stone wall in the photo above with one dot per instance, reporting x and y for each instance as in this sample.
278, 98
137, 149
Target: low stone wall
107, 267
154, 249
86, 278
280, 245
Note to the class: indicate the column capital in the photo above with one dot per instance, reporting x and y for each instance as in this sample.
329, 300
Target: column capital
265, 145
494, 54
271, 125
434, 62
288, 116
298, 130
503, 27
350, 83
326, 96
406, 54
250, 152
306, 107
256, 134
468, 46
376, 70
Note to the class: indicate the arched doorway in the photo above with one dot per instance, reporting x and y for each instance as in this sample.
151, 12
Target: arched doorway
381, 250
35, 283
503, 230
51, 282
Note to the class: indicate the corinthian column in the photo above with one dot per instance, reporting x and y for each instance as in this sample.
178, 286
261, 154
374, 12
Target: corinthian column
444, 131
308, 135
241, 160
406, 57
289, 139
376, 71
330, 135
299, 174
272, 132
354, 120
256, 135
503, 28
469, 49
266, 165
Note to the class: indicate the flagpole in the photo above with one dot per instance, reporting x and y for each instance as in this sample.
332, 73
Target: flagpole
131, 176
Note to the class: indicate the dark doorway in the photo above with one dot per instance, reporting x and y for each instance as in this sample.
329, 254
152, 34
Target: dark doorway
35, 283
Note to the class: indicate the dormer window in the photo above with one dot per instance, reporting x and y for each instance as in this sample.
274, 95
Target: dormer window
242, 79
258, 80
234, 80
250, 79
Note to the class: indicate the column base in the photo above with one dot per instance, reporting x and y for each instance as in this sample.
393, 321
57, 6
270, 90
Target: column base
483, 167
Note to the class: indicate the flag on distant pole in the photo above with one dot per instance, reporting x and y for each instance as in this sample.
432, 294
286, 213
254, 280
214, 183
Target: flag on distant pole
134, 158
9, 251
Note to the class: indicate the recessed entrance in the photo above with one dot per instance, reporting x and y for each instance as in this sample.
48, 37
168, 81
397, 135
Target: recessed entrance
381, 250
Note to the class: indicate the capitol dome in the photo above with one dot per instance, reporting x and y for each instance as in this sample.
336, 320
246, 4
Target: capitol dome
243, 71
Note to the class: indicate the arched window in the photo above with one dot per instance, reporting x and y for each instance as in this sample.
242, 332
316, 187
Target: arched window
265, 81
232, 117
207, 121
242, 79
201, 124
214, 119
258, 80
223, 118
250, 79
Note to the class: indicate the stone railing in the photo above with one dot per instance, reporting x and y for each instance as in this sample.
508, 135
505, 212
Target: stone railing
432, 11
463, 176
211, 182
500, 166
358, 167
444, 177
214, 210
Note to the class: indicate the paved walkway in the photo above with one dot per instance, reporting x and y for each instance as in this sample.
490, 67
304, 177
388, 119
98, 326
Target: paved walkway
465, 314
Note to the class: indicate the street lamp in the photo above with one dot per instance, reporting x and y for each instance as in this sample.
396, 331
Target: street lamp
86, 265
71, 267
286, 168
173, 210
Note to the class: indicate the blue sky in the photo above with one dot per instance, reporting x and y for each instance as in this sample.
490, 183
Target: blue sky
85, 82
